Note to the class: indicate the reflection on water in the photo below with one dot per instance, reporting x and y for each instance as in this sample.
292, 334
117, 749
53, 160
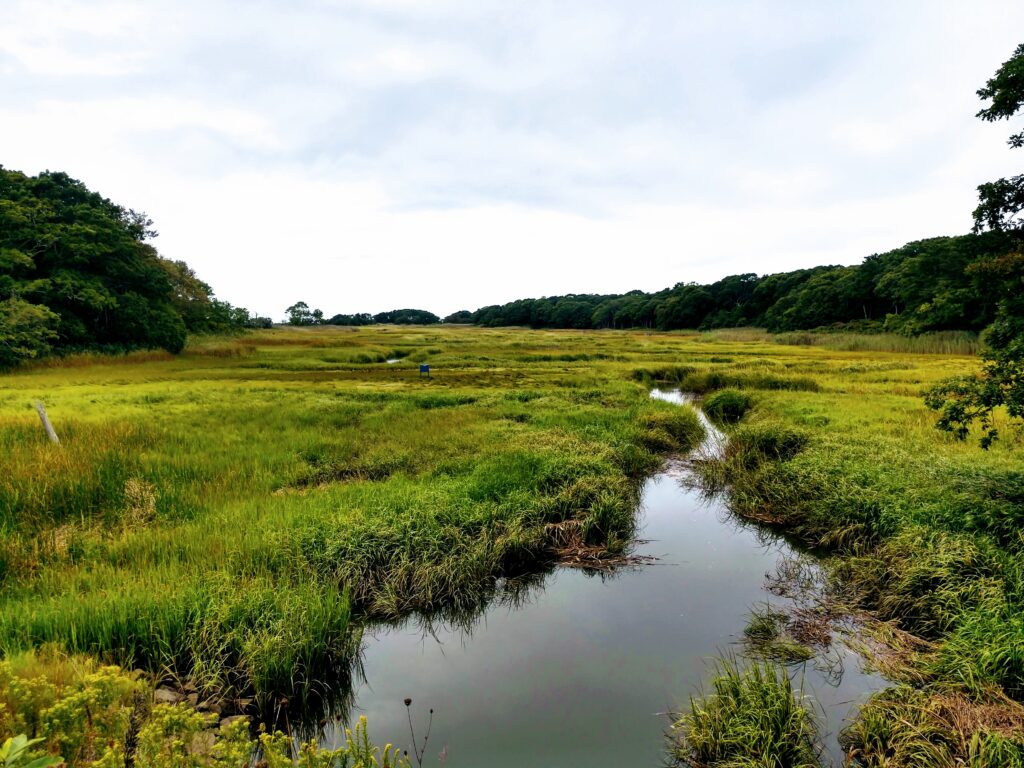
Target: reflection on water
572, 669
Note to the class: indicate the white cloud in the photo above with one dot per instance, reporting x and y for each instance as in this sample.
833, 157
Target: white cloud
364, 154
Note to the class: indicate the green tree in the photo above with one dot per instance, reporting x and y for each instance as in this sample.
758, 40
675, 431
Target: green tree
299, 313
1001, 201
190, 296
962, 402
26, 331
87, 261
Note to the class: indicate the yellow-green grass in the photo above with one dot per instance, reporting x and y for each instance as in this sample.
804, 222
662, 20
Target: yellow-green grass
751, 716
234, 512
223, 513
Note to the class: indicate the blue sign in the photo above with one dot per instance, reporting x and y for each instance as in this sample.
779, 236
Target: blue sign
425, 369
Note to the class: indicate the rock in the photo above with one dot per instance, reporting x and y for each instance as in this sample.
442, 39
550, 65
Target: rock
202, 743
210, 705
192, 699
226, 721
189, 687
243, 705
164, 695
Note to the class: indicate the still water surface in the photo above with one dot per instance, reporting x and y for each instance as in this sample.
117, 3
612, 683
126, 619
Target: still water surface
584, 672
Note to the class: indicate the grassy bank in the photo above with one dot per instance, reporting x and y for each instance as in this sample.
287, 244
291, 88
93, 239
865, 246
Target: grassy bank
232, 515
225, 515
920, 530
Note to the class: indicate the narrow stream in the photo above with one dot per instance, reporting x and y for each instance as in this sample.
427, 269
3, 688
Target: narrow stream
583, 672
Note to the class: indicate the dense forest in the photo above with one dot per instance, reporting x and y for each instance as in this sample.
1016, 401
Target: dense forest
928, 285
77, 273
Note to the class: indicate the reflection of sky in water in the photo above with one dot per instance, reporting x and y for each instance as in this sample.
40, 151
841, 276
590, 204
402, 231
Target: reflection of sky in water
584, 672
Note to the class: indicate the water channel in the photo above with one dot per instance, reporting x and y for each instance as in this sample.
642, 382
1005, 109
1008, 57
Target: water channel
584, 671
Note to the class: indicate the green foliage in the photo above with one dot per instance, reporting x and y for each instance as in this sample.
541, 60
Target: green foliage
76, 707
360, 318
84, 713
89, 264
1002, 201
194, 302
15, 753
968, 400
26, 331
77, 272
358, 752
299, 313
751, 717
925, 286
407, 317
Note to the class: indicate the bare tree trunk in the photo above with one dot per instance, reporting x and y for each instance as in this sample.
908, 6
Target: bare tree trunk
46, 423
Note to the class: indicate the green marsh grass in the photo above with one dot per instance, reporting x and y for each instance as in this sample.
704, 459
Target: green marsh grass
235, 513
225, 514
750, 716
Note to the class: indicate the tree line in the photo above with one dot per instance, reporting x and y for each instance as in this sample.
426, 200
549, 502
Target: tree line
77, 272
927, 285
300, 314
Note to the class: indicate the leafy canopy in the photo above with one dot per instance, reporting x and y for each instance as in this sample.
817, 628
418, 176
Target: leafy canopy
77, 271
965, 401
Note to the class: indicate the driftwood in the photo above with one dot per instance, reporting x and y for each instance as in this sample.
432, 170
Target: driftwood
50, 432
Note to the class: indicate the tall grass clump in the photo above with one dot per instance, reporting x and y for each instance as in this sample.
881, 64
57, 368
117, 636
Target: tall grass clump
933, 343
751, 716
727, 406
669, 427
766, 637
926, 579
248, 637
906, 727
701, 381
83, 478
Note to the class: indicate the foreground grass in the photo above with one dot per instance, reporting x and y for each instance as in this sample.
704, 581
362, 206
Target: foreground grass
234, 514
224, 516
751, 717
102, 716
922, 531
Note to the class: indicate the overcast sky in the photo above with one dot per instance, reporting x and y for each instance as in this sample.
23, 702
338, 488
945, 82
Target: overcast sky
368, 155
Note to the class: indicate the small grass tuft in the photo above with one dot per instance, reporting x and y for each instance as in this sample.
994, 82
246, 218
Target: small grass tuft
752, 716
727, 406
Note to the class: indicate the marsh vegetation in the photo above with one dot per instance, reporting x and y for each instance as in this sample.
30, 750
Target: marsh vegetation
233, 518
